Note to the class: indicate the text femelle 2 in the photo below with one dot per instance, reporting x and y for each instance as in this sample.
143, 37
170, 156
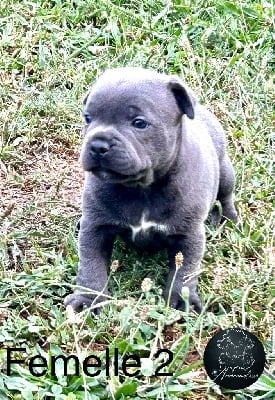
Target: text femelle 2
115, 363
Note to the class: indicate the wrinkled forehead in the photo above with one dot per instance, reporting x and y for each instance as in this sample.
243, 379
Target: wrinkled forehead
118, 93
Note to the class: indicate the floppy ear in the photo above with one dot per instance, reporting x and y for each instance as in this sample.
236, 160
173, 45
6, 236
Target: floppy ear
86, 97
184, 96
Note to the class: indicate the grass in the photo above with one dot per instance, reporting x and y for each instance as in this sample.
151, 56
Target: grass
50, 52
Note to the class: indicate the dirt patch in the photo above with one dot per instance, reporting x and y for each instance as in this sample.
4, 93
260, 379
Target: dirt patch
35, 195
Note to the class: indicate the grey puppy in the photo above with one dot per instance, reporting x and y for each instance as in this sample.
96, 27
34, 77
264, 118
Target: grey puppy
155, 162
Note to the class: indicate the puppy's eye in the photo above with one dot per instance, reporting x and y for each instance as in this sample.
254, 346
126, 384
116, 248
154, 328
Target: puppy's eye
140, 123
88, 118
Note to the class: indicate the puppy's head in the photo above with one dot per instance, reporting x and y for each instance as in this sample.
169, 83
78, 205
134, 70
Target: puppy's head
132, 126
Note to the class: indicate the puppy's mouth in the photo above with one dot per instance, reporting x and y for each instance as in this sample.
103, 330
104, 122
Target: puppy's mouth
142, 178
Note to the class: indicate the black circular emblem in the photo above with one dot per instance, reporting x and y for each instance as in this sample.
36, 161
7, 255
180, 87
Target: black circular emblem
234, 358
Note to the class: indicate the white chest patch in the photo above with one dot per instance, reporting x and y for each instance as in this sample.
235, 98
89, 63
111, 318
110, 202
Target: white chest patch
144, 225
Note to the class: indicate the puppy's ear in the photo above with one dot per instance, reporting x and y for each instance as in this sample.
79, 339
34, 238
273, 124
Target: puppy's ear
86, 98
184, 96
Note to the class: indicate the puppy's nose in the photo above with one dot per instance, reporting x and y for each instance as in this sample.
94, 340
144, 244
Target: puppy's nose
99, 147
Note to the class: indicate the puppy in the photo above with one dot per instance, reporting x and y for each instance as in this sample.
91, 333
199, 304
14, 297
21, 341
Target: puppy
155, 162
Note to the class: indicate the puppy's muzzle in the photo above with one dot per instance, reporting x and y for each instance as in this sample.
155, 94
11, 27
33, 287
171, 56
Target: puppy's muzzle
113, 156
99, 148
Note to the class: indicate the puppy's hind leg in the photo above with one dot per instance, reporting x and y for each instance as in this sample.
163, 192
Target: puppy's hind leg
226, 188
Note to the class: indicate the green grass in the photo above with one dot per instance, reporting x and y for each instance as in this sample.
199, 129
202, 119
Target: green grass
50, 52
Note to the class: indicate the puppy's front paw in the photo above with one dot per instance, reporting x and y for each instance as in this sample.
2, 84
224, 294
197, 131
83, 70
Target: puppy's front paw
176, 300
78, 301
195, 301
